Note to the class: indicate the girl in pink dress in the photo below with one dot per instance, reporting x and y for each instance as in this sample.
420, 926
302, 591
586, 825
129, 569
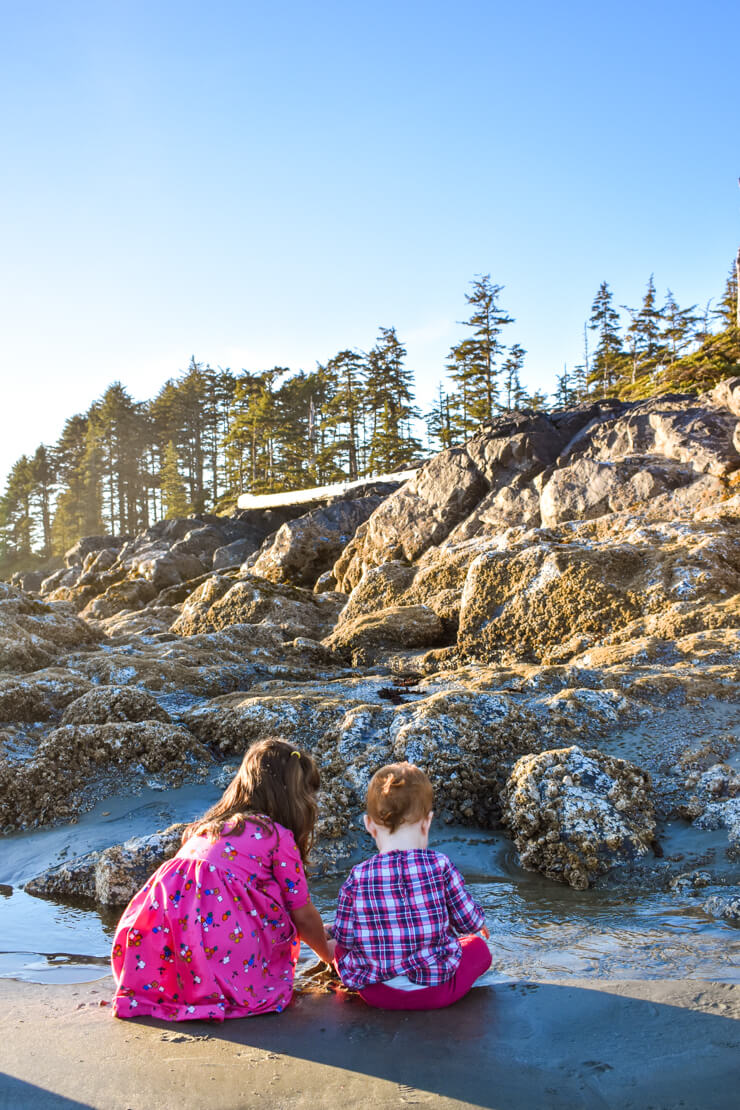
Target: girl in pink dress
215, 931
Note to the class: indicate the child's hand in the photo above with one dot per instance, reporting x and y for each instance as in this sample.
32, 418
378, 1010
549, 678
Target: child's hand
331, 944
484, 932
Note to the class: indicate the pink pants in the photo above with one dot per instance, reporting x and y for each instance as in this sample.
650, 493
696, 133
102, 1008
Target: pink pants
475, 960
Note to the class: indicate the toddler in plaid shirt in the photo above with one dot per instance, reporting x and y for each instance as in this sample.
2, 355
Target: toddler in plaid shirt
402, 934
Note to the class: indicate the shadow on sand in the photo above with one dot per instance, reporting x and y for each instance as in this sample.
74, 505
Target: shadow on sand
16, 1094
515, 1045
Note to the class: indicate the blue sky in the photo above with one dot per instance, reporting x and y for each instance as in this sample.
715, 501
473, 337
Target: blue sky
263, 184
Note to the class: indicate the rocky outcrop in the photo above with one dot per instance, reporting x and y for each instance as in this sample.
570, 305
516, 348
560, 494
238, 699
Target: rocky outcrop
556, 581
420, 514
574, 814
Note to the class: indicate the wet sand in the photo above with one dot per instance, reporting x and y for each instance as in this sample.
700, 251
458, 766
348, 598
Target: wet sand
659, 1044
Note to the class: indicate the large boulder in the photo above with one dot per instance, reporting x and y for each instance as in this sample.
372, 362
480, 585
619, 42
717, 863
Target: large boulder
66, 576
132, 593
418, 515
304, 548
76, 555
201, 542
124, 868
170, 568
574, 814
234, 554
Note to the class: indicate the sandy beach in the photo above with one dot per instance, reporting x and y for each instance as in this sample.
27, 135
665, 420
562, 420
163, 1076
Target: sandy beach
642, 1045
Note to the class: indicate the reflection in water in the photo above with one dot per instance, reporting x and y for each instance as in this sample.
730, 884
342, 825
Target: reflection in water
539, 929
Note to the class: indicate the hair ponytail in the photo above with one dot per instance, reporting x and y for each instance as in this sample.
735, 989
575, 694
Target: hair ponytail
275, 783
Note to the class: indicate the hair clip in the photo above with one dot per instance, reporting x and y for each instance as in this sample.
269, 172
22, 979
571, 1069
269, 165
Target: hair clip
296, 753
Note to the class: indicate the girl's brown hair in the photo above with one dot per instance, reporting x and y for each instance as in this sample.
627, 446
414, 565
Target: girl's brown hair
275, 782
399, 793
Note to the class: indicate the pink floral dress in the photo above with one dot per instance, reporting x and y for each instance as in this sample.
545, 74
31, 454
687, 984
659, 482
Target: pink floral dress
210, 935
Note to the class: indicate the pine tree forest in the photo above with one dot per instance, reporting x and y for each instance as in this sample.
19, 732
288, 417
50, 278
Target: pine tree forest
209, 435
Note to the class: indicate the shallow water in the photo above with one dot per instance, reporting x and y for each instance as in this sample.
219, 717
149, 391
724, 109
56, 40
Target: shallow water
539, 929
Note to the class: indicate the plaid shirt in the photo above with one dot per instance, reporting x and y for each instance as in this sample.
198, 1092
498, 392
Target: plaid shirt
398, 914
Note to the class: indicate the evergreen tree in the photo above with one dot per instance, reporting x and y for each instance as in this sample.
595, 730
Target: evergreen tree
389, 403
604, 321
69, 509
16, 518
92, 479
580, 382
512, 389
566, 393
439, 423
119, 425
678, 328
473, 362
343, 410
536, 401
42, 491
174, 495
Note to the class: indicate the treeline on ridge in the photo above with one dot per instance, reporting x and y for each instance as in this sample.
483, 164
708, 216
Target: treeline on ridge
211, 434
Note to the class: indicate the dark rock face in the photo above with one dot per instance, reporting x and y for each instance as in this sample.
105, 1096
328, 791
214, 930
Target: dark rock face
234, 554
305, 548
91, 544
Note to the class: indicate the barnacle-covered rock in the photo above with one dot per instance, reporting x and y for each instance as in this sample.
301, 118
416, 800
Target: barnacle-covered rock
220, 602
49, 786
33, 633
723, 815
41, 695
121, 870
728, 908
105, 704
574, 814
399, 626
